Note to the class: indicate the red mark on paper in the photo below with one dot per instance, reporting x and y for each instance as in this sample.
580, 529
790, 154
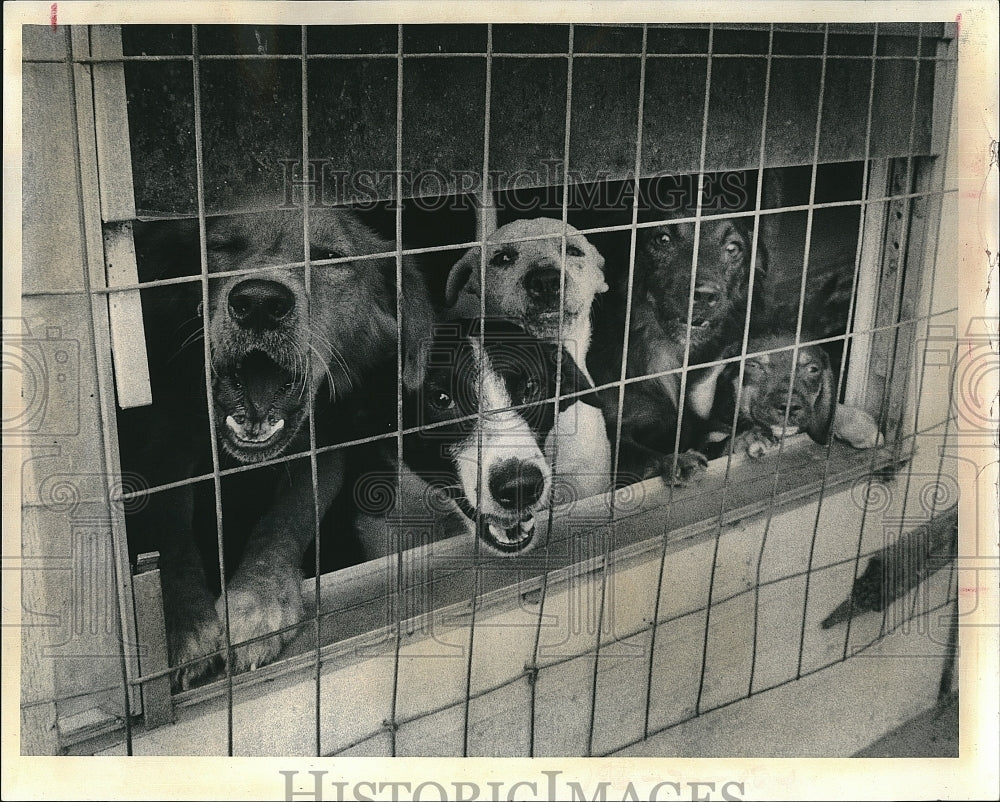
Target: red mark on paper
958, 25
54, 15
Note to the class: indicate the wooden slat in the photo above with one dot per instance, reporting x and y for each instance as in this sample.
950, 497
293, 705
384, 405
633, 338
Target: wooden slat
128, 343
157, 706
866, 303
114, 167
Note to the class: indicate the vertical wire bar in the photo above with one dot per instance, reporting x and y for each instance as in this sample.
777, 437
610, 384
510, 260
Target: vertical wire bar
311, 389
124, 609
565, 198
747, 318
746, 325
848, 334
687, 354
612, 528
392, 726
795, 351
864, 512
206, 345
484, 234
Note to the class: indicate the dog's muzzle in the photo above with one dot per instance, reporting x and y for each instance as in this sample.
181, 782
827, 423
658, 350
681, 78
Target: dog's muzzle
773, 413
542, 284
516, 487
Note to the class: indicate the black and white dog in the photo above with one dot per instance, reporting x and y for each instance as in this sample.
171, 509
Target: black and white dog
486, 401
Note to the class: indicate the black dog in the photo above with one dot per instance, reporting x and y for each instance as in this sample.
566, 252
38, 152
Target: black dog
491, 409
661, 330
264, 331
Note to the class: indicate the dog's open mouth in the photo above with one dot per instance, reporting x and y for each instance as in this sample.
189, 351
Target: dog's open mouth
700, 322
258, 403
507, 537
259, 434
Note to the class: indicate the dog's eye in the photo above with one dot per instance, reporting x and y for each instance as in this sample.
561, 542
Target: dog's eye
231, 245
505, 257
319, 254
813, 369
530, 391
440, 400
572, 250
734, 249
664, 238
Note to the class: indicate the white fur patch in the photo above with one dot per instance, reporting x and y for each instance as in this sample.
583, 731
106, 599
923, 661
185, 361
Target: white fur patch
503, 434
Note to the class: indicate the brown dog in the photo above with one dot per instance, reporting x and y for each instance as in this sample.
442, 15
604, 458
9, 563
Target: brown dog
264, 329
660, 330
778, 398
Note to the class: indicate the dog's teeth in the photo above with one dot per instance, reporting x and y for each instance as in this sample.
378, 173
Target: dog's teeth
498, 533
527, 527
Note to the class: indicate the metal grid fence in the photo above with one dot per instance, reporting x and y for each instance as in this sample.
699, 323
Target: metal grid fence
904, 194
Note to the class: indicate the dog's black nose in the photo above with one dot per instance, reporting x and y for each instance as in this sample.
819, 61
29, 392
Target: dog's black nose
794, 408
516, 485
542, 282
260, 304
706, 294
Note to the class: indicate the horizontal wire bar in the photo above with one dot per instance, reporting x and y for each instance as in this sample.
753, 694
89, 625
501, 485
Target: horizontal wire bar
346, 260
184, 58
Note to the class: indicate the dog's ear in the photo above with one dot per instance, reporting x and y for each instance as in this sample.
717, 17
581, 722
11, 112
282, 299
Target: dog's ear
417, 325
464, 277
825, 406
573, 380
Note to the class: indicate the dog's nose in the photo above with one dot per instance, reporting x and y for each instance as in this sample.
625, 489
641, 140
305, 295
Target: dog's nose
542, 282
516, 485
794, 407
707, 294
260, 304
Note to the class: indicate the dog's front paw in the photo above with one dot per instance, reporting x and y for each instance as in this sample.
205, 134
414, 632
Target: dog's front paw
262, 600
195, 638
689, 466
757, 443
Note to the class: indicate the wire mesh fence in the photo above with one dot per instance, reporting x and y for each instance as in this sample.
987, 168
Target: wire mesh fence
760, 208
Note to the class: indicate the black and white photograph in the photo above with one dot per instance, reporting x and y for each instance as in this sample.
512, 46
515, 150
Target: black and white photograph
432, 381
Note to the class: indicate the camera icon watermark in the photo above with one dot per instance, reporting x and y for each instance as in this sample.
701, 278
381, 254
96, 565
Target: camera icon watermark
49, 370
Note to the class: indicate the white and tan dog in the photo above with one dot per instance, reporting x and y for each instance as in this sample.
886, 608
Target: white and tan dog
523, 283
523, 279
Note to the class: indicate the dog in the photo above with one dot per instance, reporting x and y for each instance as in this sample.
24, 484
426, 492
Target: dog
661, 330
523, 280
276, 351
487, 456
525, 285
777, 399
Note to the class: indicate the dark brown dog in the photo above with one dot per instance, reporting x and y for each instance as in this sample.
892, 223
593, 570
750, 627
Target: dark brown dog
661, 329
277, 350
778, 398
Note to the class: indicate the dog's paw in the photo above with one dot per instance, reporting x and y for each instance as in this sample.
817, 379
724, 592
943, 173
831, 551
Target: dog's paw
262, 600
757, 443
195, 639
689, 466
856, 427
